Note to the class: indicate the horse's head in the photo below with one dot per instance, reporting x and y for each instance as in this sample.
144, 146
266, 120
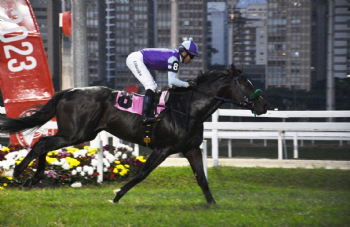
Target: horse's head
245, 93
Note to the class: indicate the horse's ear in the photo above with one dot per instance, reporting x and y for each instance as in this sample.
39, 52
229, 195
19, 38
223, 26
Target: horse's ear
233, 69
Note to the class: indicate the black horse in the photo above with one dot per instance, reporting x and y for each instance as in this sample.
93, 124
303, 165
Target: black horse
84, 112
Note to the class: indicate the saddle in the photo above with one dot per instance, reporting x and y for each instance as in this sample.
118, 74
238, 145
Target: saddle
133, 103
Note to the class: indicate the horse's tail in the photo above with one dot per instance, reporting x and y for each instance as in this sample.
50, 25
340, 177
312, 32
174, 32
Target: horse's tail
39, 118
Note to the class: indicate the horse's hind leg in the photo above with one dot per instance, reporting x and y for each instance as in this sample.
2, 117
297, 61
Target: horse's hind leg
194, 156
40, 148
39, 174
154, 160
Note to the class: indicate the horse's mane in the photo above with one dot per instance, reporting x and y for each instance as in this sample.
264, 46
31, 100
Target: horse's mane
204, 78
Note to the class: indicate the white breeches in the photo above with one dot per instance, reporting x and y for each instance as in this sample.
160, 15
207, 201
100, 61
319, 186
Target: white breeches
135, 63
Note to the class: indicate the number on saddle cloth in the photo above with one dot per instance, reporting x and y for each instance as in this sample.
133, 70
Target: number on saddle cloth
125, 100
133, 102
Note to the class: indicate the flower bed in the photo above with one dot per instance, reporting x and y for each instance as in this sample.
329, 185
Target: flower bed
73, 166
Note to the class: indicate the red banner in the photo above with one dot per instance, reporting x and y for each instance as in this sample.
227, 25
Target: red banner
25, 79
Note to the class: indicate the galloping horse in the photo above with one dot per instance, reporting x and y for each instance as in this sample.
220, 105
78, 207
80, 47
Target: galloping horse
84, 112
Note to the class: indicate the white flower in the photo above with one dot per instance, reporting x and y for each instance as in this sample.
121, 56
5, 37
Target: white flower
66, 166
94, 162
79, 169
74, 172
118, 154
128, 148
124, 156
12, 155
105, 169
134, 153
82, 173
7, 164
80, 153
110, 157
86, 168
76, 185
91, 171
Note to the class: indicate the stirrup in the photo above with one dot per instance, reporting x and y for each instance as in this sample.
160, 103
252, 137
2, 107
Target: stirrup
147, 119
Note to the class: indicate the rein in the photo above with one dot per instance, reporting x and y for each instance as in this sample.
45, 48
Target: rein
247, 103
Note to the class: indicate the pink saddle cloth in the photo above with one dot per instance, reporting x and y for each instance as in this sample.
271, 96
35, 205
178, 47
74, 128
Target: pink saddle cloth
137, 102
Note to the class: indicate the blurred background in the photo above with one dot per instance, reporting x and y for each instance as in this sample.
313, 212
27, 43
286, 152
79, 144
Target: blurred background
297, 52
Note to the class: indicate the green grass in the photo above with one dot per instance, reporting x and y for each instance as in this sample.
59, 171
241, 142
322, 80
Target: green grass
170, 197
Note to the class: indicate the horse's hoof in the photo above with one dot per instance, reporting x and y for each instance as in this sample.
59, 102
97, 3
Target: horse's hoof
111, 201
28, 183
116, 191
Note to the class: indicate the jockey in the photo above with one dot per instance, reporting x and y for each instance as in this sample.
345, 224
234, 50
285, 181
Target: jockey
142, 61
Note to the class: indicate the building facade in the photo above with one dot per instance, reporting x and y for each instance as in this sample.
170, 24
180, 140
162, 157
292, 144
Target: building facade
289, 45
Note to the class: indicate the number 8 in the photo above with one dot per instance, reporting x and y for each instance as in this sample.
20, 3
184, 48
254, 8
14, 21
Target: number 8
175, 66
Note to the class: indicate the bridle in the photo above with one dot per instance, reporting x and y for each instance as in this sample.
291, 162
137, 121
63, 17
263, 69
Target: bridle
247, 103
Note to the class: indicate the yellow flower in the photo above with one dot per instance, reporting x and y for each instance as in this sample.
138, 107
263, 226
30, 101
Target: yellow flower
9, 178
115, 170
117, 162
92, 151
19, 161
72, 162
127, 166
5, 149
30, 164
55, 152
72, 150
50, 160
49, 154
1, 188
5, 185
123, 172
120, 166
86, 147
141, 159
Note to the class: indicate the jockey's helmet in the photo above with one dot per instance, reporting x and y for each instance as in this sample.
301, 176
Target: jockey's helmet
190, 47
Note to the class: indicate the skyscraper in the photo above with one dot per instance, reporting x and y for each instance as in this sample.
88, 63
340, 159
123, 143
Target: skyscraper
289, 45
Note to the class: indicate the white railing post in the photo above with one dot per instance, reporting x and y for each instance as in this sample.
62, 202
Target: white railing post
137, 150
214, 141
204, 158
104, 137
96, 142
229, 148
280, 155
295, 145
116, 141
100, 163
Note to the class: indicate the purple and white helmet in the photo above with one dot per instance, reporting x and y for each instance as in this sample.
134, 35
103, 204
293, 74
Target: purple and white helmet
190, 47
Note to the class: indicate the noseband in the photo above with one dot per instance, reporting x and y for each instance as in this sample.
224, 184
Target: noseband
247, 103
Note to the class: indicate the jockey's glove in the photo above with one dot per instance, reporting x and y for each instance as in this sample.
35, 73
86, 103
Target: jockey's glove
192, 84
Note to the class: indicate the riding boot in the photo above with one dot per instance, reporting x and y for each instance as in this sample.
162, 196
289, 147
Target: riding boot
147, 103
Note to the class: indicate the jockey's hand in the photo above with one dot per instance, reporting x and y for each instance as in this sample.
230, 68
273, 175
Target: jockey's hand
192, 84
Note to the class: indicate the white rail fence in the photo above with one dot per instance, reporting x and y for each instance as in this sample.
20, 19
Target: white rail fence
258, 130
276, 130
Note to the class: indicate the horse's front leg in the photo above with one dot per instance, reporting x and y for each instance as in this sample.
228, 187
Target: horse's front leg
194, 156
154, 160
